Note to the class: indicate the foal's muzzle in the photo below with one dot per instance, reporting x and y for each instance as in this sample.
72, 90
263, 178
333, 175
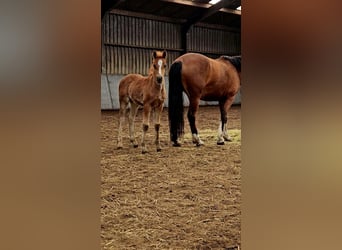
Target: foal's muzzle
159, 79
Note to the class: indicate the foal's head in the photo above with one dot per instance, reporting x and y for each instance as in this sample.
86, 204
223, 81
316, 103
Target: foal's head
158, 66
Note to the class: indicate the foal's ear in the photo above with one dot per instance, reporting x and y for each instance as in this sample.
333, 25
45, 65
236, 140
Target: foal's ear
164, 54
154, 54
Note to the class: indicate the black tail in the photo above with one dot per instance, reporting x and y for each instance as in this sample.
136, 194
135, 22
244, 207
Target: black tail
176, 109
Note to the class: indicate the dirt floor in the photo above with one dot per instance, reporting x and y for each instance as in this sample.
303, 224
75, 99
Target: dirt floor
179, 198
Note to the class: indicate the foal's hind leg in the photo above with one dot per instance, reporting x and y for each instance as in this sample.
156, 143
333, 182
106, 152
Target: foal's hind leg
193, 107
223, 130
132, 114
122, 114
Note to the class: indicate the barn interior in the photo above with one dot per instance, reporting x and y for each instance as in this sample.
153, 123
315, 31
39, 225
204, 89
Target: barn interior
131, 30
185, 197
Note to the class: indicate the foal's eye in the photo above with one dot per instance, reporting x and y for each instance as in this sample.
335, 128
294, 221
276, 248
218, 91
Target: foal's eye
164, 65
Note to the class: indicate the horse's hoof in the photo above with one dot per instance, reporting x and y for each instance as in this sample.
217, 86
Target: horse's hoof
176, 144
158, 149
135, 145
119, 147
227, 139
144, 152
220, 143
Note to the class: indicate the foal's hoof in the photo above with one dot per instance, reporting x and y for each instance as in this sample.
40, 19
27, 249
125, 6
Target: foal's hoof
119, 147
158, 149
144, 152
134, 143
220, 143
176, 144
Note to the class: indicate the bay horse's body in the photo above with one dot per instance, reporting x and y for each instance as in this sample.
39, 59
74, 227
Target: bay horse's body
201, 78
149, 92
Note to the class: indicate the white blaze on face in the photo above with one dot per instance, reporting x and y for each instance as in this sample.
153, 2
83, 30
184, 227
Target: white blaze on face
160, 63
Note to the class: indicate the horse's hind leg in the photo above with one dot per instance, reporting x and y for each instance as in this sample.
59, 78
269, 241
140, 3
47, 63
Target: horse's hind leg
122, 114
157, 115
132, 114
193, 107
223, 130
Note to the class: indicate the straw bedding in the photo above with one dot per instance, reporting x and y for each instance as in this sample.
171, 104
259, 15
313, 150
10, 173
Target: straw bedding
180, 198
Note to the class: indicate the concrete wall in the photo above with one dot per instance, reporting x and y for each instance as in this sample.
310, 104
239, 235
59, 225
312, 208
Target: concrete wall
110, 97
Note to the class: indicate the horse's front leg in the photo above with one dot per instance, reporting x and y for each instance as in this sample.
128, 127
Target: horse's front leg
146, 121
157, 116
193, 107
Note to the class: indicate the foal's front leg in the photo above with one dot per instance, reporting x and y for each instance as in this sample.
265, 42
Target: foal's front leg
157, 115
146, 121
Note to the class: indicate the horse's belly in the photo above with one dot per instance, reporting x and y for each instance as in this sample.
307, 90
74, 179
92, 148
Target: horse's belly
211, 95
210, 98
215, 93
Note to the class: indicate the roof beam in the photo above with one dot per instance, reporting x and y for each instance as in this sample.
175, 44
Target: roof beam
189, 3
231, 11
147, 16
107, 5
203, 5
204, 14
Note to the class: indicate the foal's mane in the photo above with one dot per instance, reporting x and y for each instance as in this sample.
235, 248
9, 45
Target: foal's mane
235, 60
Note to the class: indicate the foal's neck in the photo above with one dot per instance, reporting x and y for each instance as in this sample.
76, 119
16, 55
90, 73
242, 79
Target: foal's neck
156, 85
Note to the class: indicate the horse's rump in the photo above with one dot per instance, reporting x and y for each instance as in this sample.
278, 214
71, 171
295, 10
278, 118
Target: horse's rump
209, 79
235, 60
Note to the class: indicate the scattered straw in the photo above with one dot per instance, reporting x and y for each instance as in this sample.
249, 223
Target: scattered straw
180, 198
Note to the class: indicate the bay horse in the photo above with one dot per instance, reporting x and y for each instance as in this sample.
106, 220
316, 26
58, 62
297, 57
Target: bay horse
201, 78
147, 91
